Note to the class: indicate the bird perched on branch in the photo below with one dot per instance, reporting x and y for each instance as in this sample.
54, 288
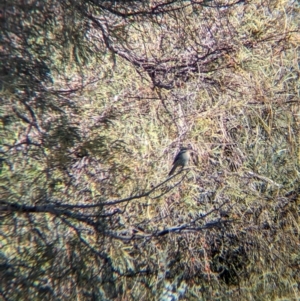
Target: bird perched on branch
181, 159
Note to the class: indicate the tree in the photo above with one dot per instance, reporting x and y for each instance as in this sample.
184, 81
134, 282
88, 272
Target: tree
96, 98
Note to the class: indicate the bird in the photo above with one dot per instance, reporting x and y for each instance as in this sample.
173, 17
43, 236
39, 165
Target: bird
181, 159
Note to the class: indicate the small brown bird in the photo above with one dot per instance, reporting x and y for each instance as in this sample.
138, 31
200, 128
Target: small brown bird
181, 159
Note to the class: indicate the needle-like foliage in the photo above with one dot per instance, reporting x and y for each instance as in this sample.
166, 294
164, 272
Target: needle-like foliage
97, 97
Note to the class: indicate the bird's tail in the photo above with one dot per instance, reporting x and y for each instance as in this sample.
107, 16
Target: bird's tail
172, 170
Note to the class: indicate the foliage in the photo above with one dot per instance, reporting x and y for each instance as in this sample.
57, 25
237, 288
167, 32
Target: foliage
96, 98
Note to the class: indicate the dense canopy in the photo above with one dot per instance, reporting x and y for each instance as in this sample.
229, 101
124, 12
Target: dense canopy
97, 97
